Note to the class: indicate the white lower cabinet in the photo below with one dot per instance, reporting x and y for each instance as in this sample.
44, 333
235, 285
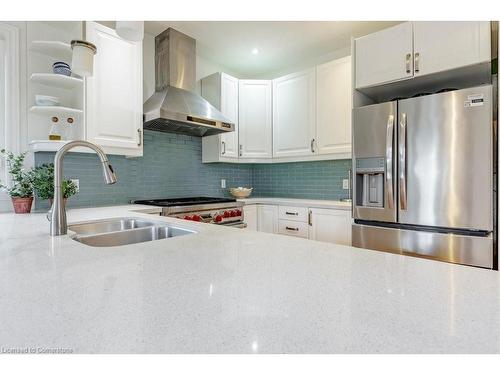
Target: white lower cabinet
267, 218
250, 216
330, 226
320, 224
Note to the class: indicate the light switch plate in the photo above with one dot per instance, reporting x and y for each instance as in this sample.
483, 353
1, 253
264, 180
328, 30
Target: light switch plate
345, 184
223, 183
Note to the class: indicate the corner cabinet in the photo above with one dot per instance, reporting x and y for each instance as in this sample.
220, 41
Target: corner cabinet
221, 90
114, 93
334, 107
255, 119
294, 112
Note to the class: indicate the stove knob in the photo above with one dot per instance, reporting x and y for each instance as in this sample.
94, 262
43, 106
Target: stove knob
238, 212
233, 213
188, 218
227, 213
218, 218
196, 218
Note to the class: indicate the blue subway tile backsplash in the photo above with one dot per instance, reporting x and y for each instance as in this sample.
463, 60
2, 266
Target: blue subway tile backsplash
171, 167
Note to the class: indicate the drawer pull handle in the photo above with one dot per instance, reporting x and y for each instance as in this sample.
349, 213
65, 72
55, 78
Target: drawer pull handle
292, 213
290, 228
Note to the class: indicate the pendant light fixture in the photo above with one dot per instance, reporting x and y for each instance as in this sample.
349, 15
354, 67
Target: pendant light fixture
130, 30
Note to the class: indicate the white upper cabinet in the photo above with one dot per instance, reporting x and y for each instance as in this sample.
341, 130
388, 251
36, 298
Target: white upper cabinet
255, 119
294, 112
440, 46
229, 108
333, 107
114, 93
384, 56
330, 226
414, 49
221, 90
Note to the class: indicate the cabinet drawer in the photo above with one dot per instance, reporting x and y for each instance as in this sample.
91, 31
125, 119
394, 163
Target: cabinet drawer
293, 213
293, 228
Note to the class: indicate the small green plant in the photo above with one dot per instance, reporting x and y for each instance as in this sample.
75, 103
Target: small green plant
22, 181
44, 183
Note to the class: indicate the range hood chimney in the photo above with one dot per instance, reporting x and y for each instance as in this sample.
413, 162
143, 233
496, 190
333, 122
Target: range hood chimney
175, 107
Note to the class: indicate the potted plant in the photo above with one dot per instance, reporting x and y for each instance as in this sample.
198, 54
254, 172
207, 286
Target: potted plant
21, 187
44, 183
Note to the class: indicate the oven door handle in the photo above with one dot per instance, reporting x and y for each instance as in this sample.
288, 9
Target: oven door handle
236, 225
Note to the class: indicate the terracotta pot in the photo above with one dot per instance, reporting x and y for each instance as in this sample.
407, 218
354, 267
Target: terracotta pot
22, 205
51, 201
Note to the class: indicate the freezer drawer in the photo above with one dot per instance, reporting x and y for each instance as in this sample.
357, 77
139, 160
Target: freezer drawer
445, 160
453, 248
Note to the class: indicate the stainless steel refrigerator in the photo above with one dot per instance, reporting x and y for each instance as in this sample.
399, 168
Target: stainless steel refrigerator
423, 177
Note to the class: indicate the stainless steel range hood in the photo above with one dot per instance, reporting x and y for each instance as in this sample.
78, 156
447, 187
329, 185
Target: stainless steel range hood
175, 107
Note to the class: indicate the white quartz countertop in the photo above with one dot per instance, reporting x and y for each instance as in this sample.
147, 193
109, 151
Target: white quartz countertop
226, 290
314, 203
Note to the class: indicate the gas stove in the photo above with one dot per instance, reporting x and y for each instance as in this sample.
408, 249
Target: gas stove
221, 211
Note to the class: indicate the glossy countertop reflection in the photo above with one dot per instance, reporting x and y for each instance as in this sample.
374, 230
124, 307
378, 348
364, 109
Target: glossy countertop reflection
226, 290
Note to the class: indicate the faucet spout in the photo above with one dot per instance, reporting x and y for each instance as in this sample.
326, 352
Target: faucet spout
58, 223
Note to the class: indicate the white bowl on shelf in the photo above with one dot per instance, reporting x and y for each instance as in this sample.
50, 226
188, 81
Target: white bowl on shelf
46, 100
240, 192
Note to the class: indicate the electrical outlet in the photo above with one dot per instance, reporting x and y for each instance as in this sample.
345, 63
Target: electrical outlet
345, 184
77, 183
223, 183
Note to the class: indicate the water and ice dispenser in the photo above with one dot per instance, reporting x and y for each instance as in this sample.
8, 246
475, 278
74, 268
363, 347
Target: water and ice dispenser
370, 179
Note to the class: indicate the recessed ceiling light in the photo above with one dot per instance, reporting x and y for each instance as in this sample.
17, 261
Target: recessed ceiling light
255, 51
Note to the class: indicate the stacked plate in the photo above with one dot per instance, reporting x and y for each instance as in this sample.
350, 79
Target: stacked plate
60, 67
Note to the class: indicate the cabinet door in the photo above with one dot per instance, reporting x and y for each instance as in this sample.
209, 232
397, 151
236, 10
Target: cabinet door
250, 216
330, 226
114, 92
294, 114
255, 119
447, 45
333, 106
267, 220
384, 56
229, 108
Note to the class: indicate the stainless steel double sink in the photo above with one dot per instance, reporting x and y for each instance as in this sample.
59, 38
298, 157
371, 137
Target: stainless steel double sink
124, 231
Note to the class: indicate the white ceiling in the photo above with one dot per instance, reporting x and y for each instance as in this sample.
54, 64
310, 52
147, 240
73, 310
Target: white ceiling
280, 43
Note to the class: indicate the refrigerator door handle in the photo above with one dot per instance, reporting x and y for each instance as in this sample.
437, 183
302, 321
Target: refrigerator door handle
402, 162
389, 143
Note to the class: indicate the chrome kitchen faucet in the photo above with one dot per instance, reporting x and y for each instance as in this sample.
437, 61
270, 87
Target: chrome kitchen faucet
57, 214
